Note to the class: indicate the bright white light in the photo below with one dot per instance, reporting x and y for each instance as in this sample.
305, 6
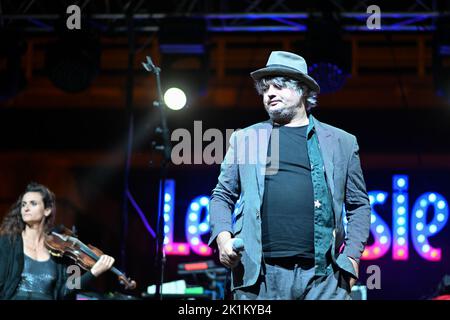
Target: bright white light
192, 229
419, 226
380, 197
419, 214
193, 216
166, 208
195, 241
425, 248
432, 228
401, 210
204, 201
195, 206
371, 199
175, 99
166, 217
383, 239
432, 197
401, 182
401, 221
421, 238
401, 231
401, 241
380, 229
167, 197
441, 204
203, 227
166, 229
440, 217
401, 198
423, 203
166, 240
373, 218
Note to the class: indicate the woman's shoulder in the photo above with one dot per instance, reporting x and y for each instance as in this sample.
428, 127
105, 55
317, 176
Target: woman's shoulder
7, 239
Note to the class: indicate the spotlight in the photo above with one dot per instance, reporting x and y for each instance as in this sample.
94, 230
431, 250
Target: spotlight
73, 61
184, 55
328, 54
441, 58
175, 98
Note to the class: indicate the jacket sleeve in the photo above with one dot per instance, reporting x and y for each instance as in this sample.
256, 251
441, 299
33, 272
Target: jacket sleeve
357, 208
225, 194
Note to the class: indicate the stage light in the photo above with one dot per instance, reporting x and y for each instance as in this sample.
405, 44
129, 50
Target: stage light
175, 98
184, 55
328, 55
204, 201
73, 60
380, 230
432, 197
195, 206
401, 199
380, 197
441, 57
419, 214
193, 216
192, 229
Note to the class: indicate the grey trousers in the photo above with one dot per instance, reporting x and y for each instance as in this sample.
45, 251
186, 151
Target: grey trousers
296, 283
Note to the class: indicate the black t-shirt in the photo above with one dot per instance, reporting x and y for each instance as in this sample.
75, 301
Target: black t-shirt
288, 203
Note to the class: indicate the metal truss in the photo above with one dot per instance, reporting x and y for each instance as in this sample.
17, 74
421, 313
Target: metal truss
225, 15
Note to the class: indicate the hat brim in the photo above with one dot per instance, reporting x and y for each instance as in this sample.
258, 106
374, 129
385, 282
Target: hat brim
285, 72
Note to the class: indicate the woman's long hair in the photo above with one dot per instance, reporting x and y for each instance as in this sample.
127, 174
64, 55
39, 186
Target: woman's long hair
13, 224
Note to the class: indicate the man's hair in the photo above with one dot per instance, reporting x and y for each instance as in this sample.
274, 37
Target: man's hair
310, 96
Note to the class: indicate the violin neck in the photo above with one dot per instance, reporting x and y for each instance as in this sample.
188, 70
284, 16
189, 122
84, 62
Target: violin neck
95, 257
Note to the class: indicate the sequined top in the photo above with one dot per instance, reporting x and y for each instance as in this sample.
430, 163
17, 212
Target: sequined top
38, 280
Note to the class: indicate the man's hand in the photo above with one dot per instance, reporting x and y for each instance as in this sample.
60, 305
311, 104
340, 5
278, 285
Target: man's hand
353, 280
227, 256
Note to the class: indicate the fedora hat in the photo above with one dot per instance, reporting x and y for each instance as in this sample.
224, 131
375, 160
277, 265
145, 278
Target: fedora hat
287, 64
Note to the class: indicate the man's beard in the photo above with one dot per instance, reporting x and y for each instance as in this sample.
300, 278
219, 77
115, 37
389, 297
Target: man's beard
282, 115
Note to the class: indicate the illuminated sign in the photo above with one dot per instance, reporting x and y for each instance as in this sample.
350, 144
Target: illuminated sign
402, 225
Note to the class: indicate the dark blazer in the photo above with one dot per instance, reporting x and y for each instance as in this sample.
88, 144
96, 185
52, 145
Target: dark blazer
11, 267
242, 180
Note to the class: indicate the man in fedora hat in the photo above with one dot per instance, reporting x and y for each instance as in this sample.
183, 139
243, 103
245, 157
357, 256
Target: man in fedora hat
285, 239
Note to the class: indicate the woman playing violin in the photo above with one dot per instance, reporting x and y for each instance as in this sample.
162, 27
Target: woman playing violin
27, 270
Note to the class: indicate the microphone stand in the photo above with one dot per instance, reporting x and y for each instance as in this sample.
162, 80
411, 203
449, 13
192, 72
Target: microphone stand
165, 149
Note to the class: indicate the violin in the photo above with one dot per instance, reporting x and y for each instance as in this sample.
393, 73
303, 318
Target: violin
67, 244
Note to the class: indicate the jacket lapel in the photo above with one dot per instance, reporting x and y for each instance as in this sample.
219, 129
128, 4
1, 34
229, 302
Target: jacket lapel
263, 133
327, 143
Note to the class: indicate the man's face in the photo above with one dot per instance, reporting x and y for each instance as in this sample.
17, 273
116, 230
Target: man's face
282, 104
